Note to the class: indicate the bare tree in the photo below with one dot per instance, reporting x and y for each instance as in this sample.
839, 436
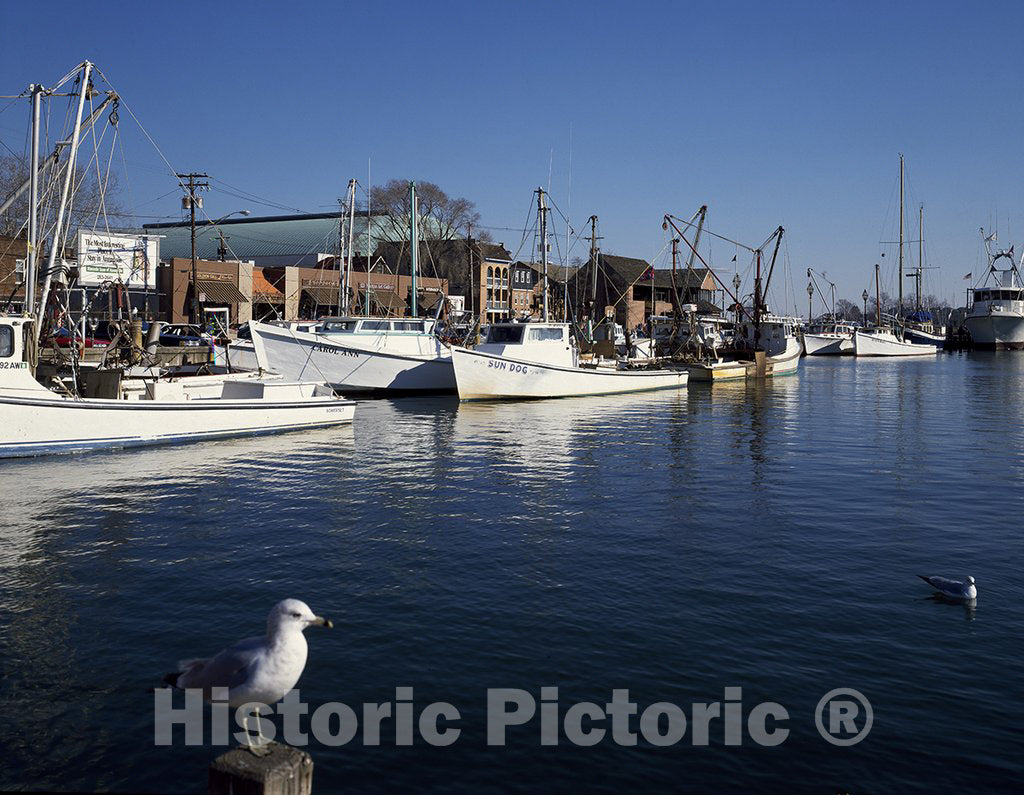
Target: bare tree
96, 200
446, 217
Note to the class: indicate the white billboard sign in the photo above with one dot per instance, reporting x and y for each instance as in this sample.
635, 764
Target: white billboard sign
130, 259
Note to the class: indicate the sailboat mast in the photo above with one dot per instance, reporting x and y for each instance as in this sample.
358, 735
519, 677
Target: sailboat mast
68, 176
900, 310
593, 265
33, 201
414, 242
351, 241
878, 301
542, 212
920, 252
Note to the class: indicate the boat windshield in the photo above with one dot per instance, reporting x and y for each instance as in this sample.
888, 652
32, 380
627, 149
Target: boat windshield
997, 295
6, 341
338, 325
505, 334
545, 334
409, 325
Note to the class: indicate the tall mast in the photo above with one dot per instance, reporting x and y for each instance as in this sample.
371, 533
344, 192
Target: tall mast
68, 177
542, 212
900, 310
878, 301
920, 252
414, 242
351, 241
593, 264
33, 201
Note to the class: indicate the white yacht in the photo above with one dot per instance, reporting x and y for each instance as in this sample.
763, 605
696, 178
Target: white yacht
540, 360
361, 354
995, 318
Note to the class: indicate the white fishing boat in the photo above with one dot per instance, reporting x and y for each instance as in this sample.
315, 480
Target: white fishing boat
830, 338
883, 342
149, 409
539, 360
995, 318
35, 420
354, 354
776, 336
361, 355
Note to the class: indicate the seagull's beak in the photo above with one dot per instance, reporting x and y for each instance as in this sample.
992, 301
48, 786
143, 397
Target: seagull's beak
320, 621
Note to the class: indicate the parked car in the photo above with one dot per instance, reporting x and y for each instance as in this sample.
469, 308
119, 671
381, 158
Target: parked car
179, 335
63, 338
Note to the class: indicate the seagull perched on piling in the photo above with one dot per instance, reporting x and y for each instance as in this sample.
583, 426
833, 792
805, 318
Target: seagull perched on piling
952, 589
260, 669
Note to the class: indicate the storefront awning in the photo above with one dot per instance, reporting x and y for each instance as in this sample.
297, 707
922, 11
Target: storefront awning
322, 295
220, 293
268, 297
427, 300
388, 299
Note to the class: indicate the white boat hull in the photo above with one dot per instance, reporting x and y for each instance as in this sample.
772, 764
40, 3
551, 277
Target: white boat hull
484, 376
996, 330
52, 424
887, 344
343, 363
828, 344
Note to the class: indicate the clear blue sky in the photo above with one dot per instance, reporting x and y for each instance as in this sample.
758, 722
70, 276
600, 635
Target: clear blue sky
786, 113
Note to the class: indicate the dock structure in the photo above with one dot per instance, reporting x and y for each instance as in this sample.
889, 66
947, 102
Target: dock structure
283, 771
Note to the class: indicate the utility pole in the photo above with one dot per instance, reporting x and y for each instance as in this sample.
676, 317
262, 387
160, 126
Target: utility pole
222, 249
593, 266
189, 202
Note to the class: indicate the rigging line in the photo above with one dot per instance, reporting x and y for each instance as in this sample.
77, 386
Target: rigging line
707, 231
170, 168
252, 199
268, 202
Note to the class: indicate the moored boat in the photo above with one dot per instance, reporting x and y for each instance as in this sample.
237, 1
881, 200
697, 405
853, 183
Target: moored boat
539, 360
995, 318
35, 420
883, 342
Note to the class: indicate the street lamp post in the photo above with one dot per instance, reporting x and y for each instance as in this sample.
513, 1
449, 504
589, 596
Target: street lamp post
810, 297
864, 315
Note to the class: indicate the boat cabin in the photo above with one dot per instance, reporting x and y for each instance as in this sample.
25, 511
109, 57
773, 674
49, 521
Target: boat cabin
544, 343
998, 294
375, 325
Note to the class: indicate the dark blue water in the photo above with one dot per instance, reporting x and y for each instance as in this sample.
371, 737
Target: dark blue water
761, 536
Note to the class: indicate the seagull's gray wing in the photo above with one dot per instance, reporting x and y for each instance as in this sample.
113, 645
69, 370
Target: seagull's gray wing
228, 669
950, 587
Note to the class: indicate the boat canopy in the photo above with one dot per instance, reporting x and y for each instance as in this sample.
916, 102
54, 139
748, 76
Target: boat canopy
920, 316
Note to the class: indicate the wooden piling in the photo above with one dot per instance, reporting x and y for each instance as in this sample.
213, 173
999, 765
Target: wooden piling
284, 771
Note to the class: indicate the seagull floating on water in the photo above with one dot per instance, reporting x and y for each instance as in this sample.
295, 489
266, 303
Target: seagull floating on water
258, 669
952, 589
